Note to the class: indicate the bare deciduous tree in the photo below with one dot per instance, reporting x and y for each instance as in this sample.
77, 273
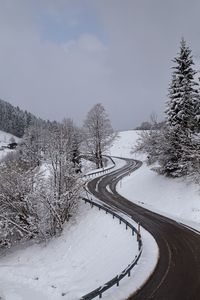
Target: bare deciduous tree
99, 133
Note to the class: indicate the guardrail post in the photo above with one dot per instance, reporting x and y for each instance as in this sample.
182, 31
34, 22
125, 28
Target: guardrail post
126, 226
140, 244
100, 295
132, 231
117, 282
138, 232
129, 273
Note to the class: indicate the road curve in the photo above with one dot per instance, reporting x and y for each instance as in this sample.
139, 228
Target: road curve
177, 275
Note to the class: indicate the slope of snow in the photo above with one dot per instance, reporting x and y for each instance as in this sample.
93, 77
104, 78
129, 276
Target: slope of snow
4, 141
5, 138
92, 249
175, 198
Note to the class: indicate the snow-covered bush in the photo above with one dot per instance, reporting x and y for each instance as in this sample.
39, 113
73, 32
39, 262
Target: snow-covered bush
38, 193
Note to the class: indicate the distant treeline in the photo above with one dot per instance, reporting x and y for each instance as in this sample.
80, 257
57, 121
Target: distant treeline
14, 120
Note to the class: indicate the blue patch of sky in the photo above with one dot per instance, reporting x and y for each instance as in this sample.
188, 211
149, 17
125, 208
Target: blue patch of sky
69, 26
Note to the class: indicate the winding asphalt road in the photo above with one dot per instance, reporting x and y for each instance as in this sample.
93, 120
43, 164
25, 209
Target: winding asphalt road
177, 275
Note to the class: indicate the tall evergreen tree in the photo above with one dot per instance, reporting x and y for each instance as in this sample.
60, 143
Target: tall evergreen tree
182, 115
183, 101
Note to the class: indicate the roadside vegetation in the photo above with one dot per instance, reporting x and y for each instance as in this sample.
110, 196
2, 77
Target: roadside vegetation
41, 181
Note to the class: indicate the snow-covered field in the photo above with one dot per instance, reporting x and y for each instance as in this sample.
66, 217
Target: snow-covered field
92, 249
175, 198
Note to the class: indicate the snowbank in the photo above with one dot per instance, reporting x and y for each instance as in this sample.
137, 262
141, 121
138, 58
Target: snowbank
92, 249
178, 199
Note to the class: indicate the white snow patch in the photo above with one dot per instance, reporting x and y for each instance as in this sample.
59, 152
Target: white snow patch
4, 141
174, 198
92, 249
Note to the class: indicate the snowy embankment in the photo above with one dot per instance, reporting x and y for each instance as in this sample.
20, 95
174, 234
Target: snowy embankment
175, 198
92, 249
89, 167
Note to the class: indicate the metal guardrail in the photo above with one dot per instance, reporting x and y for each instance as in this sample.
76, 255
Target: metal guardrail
102, 171
127, 271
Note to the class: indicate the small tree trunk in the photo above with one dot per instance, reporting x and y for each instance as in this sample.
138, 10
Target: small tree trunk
100, 159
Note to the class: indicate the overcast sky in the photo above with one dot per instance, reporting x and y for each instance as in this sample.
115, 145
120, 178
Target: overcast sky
58, 58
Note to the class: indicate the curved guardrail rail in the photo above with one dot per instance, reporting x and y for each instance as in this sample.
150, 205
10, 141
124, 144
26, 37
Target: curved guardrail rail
127, 271
102, 171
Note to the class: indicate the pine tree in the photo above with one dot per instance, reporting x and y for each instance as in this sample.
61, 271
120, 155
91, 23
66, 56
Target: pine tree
183, 93
182, 115
14, 120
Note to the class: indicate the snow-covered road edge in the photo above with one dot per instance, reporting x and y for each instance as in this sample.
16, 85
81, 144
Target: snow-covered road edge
129, 190
147, 262
146, 265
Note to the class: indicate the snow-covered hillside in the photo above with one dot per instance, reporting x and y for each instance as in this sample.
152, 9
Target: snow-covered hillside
176, 198
92, 249
5, 139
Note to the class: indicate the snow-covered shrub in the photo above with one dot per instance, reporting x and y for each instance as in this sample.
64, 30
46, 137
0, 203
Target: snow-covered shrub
34, 204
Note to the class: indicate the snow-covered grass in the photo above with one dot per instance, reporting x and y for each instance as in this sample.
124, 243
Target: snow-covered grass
5, 138
92, 249
175, 198
89, 167
124, 143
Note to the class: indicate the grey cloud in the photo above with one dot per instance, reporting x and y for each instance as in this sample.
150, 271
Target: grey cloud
129, 74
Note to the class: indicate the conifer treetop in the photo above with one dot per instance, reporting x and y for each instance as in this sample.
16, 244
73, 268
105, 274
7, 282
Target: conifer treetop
183, 103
